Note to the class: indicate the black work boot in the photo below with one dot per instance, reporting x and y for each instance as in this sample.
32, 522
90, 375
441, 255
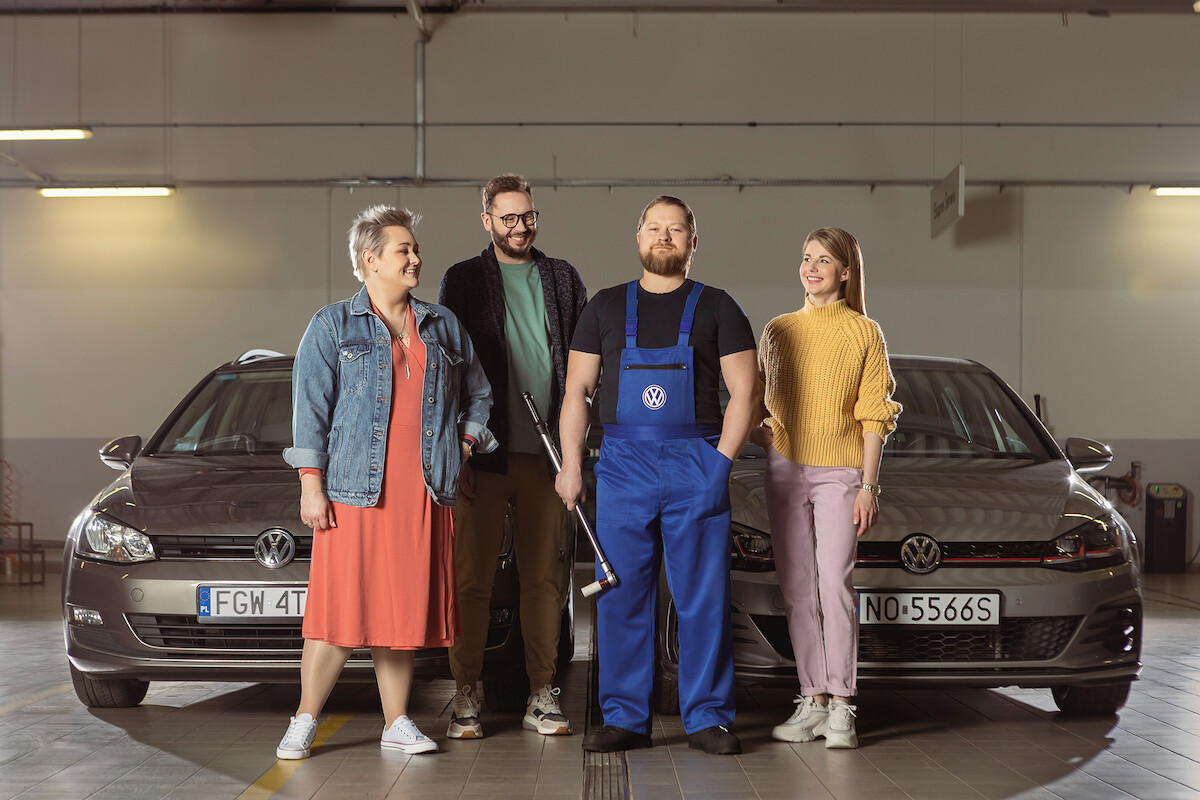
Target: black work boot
717, 741
611, 739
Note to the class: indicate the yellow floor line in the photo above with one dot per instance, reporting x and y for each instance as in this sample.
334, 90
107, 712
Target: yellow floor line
273, 779
42, 695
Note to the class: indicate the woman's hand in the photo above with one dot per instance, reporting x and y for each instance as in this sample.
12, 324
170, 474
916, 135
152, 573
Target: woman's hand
316, 511
763, 436
866, 511
466, 476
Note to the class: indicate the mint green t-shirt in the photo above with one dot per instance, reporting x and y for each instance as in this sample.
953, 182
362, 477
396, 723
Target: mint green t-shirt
529, 362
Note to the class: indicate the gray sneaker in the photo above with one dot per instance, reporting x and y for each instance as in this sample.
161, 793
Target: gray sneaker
464, 715
543, 715
801, 725
839, 731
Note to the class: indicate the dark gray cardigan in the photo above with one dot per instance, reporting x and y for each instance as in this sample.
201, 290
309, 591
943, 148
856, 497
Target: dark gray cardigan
473, 291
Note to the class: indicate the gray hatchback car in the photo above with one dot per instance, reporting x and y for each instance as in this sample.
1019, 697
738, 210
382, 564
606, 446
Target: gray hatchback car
193, 563
993, 562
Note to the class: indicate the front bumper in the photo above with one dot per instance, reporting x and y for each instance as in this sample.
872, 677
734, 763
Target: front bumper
1057, 629
151, 630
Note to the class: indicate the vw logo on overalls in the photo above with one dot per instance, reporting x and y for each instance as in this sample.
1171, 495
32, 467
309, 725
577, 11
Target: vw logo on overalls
275, 548
655, 397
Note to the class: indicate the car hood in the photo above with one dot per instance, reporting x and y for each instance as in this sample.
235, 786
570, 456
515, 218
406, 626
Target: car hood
979, 500
204, 495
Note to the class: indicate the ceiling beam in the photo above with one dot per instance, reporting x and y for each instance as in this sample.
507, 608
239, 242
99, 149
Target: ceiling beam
1093, 7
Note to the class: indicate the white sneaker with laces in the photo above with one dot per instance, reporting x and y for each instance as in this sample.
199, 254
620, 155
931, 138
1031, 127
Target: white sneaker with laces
299, 738
464, 715
403, 735
543, 715
839, 729
801, 725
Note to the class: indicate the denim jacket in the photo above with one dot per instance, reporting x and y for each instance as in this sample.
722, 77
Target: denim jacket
342, 391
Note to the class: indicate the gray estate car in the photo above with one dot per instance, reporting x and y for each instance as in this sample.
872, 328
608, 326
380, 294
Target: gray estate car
193, 563
993, 562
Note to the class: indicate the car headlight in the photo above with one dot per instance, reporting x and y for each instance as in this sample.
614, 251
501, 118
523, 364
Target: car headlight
109, 540
751, 549
1095, 544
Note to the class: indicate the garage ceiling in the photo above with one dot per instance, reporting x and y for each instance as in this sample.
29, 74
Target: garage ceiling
1099, 7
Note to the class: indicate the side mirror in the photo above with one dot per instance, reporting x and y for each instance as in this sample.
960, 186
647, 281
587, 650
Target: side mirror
1088, 455
119, 453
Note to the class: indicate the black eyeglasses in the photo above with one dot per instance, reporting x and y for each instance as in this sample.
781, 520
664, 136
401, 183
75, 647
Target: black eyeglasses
510, 220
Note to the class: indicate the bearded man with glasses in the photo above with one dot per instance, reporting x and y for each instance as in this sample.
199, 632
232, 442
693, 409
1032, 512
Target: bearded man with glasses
520, 308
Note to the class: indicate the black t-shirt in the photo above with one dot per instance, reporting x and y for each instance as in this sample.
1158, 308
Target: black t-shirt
720, 328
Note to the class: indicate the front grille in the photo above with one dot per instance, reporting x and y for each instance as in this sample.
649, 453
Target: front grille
1017, 639
219, 548
280, 639
179, 632
887, 554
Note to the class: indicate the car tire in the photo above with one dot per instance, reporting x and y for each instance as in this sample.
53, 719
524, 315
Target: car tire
666, 692
506, 688
1091, 701
108, 692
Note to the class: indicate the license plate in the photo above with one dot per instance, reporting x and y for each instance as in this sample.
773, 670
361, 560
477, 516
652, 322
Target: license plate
232, 602
945, 609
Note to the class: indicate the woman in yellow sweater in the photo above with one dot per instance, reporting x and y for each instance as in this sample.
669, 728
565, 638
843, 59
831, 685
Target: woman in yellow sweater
828, 394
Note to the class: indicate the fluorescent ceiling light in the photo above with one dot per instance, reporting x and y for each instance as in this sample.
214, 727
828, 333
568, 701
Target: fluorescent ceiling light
110, 191
27, 135
1176, 191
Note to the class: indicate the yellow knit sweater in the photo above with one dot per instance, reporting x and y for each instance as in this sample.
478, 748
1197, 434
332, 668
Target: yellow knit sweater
827, 384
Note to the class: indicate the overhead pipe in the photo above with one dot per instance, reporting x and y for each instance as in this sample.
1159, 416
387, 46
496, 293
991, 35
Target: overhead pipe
609, 183
1063, 7
426, 34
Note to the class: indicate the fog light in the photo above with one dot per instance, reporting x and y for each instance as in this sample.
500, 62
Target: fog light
86, 616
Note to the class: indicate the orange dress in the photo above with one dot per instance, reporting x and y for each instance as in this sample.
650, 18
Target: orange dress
384, 577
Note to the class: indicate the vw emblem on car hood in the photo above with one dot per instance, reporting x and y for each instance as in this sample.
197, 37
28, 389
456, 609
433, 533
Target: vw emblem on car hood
275, 548
920, 553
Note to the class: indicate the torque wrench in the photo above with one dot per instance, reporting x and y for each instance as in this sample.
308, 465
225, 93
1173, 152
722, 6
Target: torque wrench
610, 578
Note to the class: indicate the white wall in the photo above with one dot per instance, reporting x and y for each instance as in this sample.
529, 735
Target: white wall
110, 310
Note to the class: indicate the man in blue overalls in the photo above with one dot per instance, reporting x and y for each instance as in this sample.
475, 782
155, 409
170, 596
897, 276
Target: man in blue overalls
662, 493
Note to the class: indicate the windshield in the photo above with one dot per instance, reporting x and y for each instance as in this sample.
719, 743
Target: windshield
234, 413
954, 414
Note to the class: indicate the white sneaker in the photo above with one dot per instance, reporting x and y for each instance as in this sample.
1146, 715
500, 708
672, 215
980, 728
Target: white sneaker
299, 738
801, 725
839, 728
542, 713
464, 715
404, 736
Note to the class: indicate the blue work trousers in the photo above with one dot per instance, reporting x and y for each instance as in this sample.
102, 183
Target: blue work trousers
654, 499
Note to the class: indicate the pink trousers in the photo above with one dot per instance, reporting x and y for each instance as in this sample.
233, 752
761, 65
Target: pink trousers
814, 539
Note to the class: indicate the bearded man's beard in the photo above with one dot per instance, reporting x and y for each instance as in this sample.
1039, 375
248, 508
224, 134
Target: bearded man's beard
673, 263
503, 245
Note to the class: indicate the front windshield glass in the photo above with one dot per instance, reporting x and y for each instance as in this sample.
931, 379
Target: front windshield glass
235, 413
954, 414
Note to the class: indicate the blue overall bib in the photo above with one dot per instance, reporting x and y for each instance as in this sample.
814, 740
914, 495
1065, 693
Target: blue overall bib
662, 489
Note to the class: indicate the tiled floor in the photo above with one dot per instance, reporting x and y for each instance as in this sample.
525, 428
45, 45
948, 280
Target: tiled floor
211, 740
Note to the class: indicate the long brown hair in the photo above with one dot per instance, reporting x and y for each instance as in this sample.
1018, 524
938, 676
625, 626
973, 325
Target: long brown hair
842, 245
